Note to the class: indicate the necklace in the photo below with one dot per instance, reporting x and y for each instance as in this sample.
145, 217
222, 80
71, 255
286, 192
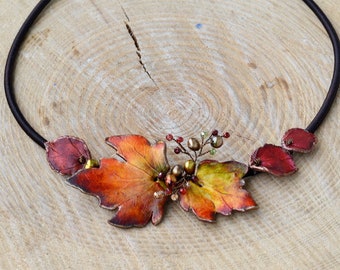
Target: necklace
140, 181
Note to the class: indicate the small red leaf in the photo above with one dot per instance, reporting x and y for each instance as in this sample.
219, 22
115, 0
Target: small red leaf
272, 159
298, 140
67, 155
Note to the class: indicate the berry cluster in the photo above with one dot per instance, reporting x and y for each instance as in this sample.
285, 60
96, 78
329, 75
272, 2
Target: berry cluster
179, 177
215, 140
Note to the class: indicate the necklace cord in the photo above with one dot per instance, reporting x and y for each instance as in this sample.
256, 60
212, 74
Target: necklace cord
10, 71
36, 137
334, 86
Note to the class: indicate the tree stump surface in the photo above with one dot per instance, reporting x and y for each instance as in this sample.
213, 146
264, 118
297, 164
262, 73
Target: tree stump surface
93, 69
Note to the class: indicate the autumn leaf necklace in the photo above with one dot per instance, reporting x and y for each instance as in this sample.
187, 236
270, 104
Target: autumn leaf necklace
141, 182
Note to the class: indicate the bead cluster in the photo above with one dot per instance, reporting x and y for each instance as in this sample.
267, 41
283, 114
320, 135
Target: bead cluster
178, 178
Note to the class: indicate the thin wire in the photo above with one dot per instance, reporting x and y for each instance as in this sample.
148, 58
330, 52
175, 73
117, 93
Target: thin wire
36, 137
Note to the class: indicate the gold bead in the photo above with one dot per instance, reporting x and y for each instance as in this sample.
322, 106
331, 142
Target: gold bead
194, 144
91, 163
189, 166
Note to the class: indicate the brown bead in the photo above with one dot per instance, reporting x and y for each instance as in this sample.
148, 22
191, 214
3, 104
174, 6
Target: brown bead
194, 144
177, 170
216, 141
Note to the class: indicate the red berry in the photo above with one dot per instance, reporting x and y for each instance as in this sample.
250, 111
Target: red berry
169, 137
226, 135
183, 191
161, 175
177, 150
179, 139
194, 179
215, 132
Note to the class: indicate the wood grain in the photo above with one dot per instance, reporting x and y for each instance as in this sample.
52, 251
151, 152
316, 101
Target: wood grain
97, 68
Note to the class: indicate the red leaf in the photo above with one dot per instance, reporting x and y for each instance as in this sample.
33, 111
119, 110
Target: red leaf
128, 186
67, 155
272, 159
298, 140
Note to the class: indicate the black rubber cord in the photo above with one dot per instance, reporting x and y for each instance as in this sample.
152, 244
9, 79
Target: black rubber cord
35, 136
334, 87
10, 71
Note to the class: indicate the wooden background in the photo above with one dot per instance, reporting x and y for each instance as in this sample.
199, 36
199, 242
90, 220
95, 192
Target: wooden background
254, 68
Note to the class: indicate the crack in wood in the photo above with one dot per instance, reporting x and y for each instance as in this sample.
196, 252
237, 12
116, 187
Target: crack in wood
124, 11
132, 35
135, 41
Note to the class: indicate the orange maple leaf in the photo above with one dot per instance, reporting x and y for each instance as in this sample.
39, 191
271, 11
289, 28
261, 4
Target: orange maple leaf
128, 185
